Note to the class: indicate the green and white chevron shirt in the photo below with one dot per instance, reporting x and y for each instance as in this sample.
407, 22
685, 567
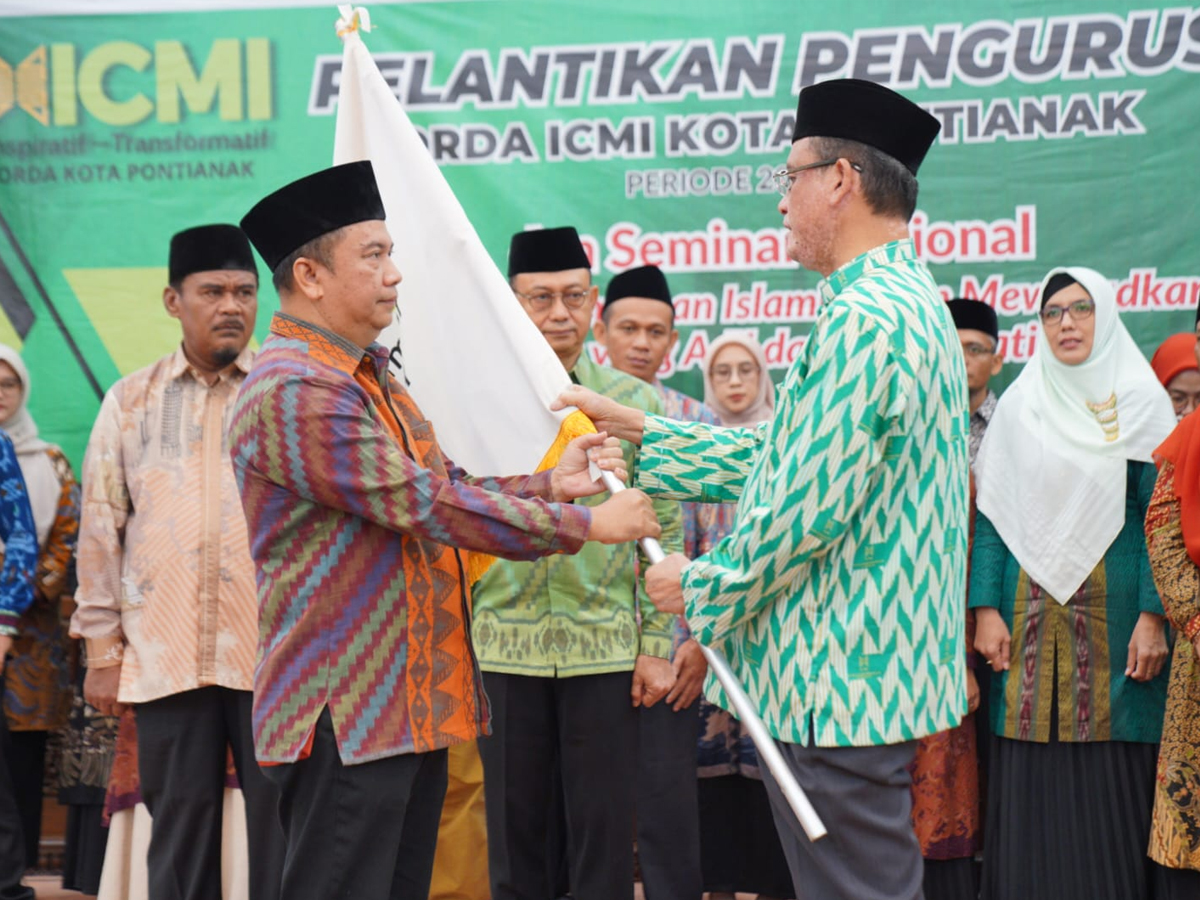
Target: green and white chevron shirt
839, 595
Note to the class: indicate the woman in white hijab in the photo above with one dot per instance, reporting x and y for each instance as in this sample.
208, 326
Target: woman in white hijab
37, 691
1066, 610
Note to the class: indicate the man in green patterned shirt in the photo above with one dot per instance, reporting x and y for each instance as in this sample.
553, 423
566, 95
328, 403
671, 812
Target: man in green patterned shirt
839, 595
559, 639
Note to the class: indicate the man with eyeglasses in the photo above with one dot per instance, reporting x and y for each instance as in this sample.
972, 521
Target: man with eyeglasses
839, 596
979, 334
637, 328
566, 658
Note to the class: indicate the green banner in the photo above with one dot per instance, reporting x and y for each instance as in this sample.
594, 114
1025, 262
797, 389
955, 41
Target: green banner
1067, 139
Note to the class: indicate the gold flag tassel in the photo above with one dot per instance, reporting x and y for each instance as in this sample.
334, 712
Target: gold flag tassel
574, 425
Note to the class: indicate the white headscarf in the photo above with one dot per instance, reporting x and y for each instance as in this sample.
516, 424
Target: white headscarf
1050, 477
41, 481
764, 401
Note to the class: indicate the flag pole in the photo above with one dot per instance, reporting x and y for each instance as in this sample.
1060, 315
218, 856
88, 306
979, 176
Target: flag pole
768, 750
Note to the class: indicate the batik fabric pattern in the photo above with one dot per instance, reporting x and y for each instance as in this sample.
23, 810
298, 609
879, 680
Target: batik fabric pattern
1175, 828
37, 681
355, 518
839, 595
1080, 647
565, 616
18, 536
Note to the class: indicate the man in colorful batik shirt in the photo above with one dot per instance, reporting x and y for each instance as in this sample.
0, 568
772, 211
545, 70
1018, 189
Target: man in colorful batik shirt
839, 595
565, 659
366, 672
637, 328
166, 602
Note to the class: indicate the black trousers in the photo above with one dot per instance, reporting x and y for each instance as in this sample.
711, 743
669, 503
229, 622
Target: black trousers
27, 769
12, 843
668, 804
361, 832
585, 729
182, 742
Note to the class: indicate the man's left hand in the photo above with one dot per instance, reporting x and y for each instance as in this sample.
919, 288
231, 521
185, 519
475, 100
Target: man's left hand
663, 584
6, 643
571, 478
653, 679
690, 668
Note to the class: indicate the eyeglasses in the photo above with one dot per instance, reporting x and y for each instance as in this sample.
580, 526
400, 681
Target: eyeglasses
784, 178
543, 300
978, 350
724, 373
1079, 310
9, 385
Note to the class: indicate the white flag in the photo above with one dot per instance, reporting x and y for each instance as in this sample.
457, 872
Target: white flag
479, 369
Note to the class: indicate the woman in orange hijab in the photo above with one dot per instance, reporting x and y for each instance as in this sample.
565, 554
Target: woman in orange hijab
1177, 367
1173, 542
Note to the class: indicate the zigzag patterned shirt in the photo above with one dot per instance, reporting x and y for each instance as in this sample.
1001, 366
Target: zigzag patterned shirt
354, 518
839, 595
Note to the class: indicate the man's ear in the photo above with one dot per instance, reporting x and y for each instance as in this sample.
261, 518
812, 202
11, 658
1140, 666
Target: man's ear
846, 179
600, 331
172, 302
306, 278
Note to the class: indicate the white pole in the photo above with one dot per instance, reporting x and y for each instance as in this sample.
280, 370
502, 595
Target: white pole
768, 751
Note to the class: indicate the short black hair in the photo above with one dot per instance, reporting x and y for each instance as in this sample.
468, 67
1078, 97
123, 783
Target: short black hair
319, 249
889, 187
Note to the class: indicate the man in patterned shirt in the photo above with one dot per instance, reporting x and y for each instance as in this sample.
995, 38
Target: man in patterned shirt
166, 601
839, 595
366, 672
565, 659
637, 328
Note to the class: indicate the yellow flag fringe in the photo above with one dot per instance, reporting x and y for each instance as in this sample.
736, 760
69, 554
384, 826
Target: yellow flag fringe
573, 426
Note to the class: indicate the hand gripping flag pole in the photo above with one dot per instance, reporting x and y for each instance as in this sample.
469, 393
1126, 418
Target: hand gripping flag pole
768, 751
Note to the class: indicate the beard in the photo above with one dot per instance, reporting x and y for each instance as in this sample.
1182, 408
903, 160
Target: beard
223, 357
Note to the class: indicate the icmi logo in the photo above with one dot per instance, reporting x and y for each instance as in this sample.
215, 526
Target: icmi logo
52, 86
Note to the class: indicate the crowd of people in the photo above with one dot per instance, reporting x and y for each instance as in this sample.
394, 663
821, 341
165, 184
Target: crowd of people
972, 624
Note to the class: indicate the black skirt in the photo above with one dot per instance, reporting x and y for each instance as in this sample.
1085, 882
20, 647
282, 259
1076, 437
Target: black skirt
951, 879
1070, 821
739, 846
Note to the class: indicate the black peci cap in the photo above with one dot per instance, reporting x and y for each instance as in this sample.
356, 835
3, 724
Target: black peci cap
315, 205
546, 250
208, 247
870, 114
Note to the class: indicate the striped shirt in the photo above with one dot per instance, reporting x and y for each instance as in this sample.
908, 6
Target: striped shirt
840, 593
166, 585
354, 519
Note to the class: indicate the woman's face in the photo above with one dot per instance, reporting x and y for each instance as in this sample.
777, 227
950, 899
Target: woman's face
11, 392
1184, 391
1069, 324
734, 372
